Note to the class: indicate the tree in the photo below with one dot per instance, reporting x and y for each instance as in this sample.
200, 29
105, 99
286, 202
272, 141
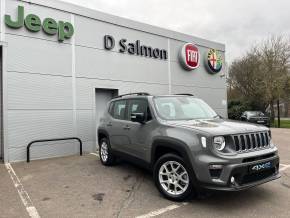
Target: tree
244, 80
275, 57
262, 77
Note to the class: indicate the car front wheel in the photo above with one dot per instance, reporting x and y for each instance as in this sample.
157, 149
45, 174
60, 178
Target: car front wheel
105, 152
173, 177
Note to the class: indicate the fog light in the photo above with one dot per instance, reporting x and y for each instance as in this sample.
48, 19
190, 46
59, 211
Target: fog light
233, 181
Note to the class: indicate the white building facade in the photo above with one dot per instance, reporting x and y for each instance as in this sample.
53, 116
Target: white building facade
61, 63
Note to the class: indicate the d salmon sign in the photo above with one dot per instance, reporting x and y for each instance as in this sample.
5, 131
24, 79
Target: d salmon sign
214, 61
189, 56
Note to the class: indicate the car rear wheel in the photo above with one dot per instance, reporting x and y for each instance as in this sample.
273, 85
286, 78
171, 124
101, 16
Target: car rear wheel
173, 177
105, 153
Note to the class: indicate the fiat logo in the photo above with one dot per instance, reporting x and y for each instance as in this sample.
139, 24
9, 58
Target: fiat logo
189, 56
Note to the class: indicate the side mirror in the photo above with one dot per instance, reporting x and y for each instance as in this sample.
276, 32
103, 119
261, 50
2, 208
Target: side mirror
221, 117
138, 117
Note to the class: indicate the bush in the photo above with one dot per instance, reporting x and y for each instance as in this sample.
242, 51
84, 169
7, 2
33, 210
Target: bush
236, 108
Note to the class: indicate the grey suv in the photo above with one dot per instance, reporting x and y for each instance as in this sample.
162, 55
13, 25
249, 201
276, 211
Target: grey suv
186, 144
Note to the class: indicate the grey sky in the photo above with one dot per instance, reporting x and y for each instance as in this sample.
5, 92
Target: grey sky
238, 24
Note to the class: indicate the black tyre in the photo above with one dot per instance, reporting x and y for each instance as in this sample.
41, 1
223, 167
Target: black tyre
173, 177
105, 152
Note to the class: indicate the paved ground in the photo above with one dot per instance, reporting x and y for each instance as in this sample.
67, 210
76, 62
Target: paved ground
81, 187
10, 203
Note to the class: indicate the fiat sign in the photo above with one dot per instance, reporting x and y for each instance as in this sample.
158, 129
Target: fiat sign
189, 56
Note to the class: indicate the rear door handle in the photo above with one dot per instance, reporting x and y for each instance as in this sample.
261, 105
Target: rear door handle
109, 124
127, 127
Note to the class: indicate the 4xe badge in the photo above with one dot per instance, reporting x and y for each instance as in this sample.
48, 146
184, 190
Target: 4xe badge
262, 166
214, 61
189, 56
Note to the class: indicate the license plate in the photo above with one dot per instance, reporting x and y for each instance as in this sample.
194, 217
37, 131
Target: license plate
260, 121
260, 167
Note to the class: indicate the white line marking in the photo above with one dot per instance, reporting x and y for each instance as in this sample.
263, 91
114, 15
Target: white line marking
161, 211
22, 193
95, 154
285, 167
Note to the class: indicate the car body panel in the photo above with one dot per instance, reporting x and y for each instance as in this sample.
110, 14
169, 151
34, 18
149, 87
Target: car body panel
140, 140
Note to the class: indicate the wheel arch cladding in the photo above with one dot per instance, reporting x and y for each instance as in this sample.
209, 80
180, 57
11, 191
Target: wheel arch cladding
102, 134
163, 146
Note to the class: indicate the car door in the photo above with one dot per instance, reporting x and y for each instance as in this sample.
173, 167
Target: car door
116, 125
139, 133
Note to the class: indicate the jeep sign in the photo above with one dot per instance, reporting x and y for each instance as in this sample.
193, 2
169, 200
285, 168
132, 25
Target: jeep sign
32, 22
189, 56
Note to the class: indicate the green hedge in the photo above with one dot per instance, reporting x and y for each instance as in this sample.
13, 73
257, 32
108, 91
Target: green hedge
236, 108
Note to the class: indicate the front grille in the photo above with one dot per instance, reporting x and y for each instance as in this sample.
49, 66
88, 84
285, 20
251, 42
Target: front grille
251, 141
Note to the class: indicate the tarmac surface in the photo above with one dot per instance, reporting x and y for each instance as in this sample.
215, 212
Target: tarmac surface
81, 187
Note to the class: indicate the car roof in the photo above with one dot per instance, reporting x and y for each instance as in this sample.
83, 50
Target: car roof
146, 95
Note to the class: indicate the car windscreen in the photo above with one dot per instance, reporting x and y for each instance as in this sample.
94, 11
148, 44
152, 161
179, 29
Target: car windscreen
183, 108
255, 113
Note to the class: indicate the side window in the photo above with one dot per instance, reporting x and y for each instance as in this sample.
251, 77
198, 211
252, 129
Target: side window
118, 110
139, 106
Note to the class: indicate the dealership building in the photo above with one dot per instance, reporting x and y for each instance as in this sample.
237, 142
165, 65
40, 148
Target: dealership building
61, 63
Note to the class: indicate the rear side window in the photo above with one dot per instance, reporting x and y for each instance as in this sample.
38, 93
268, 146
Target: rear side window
118, 109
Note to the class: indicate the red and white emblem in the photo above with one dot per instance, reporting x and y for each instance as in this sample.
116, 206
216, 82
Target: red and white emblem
189, 56
214, 61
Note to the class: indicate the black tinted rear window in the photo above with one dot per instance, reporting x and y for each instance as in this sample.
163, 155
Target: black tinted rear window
118, 109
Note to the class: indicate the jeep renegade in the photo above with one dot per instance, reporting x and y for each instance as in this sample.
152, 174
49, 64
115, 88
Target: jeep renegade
186, 144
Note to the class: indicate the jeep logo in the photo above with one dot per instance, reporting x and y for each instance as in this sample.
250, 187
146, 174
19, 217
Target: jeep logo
32, 22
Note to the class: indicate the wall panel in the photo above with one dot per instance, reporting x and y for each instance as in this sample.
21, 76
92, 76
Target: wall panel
38, 56
35, 91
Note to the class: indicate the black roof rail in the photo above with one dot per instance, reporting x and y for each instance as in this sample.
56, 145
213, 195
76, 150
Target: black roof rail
134, 93
188, 94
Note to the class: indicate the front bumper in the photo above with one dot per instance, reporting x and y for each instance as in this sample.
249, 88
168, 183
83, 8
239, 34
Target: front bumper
238, 187
243, 177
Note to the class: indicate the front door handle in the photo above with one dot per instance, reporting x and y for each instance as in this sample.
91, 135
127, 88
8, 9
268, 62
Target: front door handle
127, 127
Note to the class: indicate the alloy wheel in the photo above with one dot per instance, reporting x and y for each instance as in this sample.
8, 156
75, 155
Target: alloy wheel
173, 178
104, 151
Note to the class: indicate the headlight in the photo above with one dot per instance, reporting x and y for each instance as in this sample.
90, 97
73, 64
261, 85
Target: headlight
219, 143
